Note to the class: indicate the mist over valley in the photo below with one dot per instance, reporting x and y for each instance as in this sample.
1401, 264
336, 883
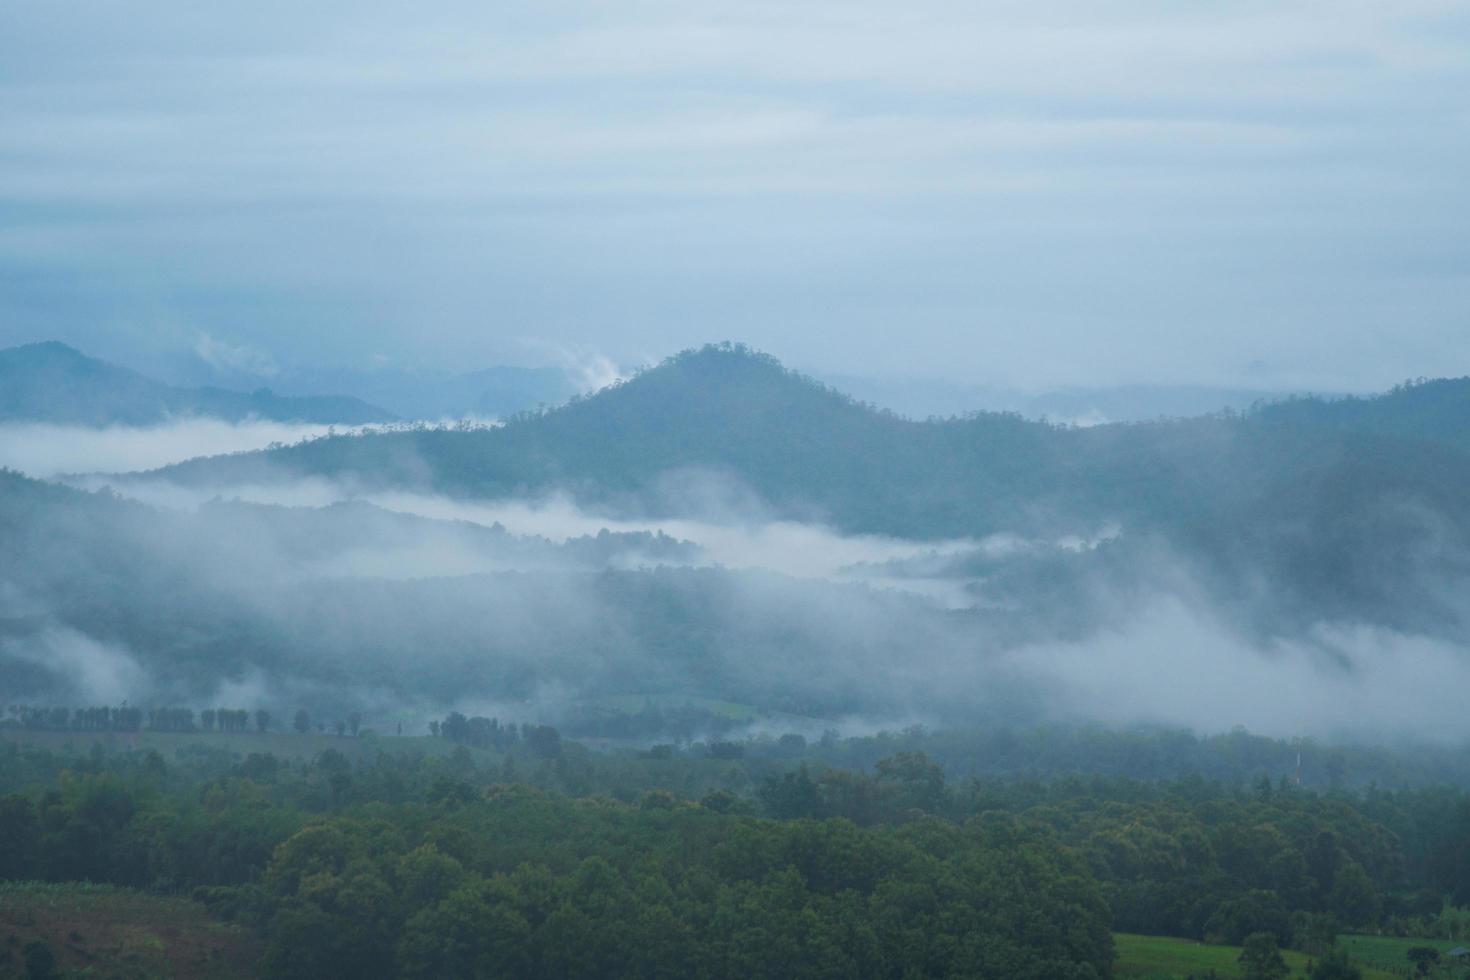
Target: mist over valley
721, 529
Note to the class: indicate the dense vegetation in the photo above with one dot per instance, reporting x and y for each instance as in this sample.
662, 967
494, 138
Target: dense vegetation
695, 845
384, 859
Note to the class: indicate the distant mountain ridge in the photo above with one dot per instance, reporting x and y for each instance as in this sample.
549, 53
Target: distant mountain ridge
725, 420
486, 393
1432, 410
1302, 522
52, 382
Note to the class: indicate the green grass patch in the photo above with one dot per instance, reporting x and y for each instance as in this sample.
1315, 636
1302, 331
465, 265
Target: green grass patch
104, 932
1165, 958
1388, 953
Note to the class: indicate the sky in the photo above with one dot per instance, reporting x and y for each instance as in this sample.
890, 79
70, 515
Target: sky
1263, 194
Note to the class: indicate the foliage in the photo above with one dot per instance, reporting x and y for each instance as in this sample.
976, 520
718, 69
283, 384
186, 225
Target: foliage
1260, 959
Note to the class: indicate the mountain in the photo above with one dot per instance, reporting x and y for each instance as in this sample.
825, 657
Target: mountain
51, 382
488, 393
1324, 533
932, 397
720, 420
1284, 522
1428, 410
722, 427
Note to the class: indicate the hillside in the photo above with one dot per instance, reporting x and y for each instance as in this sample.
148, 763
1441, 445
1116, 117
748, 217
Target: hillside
708, 428
1435, 411
94, 930
1271, 531
486, 393
723, 428
51, 382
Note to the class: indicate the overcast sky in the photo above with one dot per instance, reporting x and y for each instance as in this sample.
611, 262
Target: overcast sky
1260, 193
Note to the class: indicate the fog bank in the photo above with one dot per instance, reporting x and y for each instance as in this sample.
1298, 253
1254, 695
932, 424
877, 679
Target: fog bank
43, 450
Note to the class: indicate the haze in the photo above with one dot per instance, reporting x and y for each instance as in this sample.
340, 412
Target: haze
1255, 195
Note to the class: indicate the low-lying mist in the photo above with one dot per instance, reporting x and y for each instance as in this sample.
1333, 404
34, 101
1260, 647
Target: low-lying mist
406, 605
44, 450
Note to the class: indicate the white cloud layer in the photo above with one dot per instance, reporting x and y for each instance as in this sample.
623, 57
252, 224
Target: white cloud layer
43, 450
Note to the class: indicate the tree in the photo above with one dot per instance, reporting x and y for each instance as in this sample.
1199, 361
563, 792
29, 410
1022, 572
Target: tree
1335, 965
1314, 933
206, 718
1424, 958
475, 932
40, 961
1353, 898
1261, 960
303, 721
262, 720
544, 741
920, 782
354, 721
341, 728
19, 837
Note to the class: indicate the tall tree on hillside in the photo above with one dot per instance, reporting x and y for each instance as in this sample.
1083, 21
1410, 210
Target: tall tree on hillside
1260, 959
1424, 959
1335, 965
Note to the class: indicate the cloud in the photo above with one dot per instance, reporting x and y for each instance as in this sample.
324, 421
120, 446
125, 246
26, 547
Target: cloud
235, 358
1174, 663
744, 540
86, 669
1068, 193
43, 450
343, 606
592, 370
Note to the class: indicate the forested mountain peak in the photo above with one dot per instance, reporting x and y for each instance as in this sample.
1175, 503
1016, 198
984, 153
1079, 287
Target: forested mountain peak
726, 376
62, 360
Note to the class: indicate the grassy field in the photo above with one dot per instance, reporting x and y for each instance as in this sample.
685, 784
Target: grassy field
1387, 953
116, 934
1161, 958
283, 745
633, 703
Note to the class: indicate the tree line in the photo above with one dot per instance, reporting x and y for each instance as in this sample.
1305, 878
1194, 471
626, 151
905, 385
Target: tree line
824, 864
124, 718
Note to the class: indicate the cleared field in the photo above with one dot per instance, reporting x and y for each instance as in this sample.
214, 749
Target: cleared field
283, 745
1387, 953
631, 704
1163, 958
104, 932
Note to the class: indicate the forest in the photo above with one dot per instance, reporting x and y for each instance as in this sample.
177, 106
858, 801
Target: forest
816, 690
488, 849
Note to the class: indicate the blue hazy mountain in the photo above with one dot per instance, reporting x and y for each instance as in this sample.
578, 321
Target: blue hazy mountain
51, 382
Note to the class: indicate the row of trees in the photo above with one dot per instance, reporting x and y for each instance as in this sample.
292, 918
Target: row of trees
352, 724
121, 718
124, 718
544, 741
233, 720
